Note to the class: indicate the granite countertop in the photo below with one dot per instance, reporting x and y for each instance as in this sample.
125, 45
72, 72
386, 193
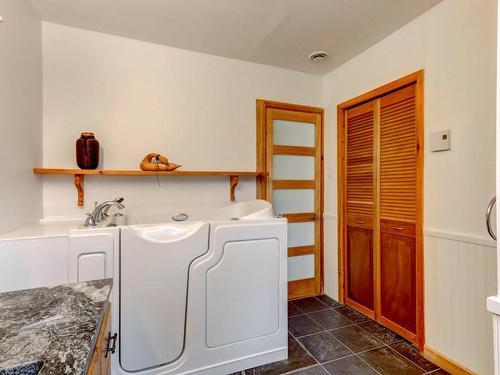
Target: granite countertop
51, 330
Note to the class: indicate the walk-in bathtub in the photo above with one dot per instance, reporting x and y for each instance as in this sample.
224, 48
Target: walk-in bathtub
205, 295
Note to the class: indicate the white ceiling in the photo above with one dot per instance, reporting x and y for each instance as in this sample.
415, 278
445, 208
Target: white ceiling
274, 32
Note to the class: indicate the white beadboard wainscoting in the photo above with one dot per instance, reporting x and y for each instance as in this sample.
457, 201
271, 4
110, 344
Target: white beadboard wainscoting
331, 258
460, 273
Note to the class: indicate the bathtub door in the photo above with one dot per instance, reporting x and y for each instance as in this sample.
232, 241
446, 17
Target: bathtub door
290, 150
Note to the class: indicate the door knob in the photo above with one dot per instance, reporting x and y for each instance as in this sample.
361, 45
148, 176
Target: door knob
315, 217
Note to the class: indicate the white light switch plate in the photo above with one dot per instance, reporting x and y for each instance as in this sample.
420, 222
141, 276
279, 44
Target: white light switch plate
441, 141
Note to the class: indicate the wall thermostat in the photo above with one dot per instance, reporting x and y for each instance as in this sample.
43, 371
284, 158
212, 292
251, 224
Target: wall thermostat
441, 141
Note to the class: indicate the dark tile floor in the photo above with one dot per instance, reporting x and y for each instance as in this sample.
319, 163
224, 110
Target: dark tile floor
328, 338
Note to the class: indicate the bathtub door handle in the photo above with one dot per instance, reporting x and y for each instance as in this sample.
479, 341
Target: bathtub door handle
489, 210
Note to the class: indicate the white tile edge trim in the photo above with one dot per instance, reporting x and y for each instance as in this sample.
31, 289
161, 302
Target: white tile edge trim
483, 241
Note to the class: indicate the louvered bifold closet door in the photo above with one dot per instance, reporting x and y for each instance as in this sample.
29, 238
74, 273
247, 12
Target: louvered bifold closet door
360, 201
398, 211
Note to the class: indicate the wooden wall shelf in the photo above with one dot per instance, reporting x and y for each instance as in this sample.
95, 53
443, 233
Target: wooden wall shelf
78, 176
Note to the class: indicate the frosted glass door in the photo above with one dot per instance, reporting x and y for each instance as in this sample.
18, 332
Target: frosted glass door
294, 149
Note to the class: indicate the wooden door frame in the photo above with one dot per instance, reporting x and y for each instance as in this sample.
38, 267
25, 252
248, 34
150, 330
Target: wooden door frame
416, 78
262, 152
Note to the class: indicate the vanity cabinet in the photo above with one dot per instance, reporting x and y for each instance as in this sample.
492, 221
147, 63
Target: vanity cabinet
100, 362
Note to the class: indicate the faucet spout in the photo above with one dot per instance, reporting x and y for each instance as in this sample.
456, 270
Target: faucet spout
101, 211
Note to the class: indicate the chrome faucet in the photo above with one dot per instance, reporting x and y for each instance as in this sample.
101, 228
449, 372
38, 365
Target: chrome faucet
101, 211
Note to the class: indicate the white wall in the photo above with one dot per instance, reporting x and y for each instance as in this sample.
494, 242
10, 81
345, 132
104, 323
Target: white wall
139, 97
455, 42
20, 114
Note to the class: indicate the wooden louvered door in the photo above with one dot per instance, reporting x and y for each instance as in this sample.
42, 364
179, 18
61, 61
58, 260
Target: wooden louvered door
380, 205
359, 208
398, 208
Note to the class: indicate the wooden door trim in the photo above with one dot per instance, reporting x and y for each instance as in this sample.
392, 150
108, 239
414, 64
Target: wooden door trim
376, 211
403, 332
303, 284
365, 310
407, 80
265, 182
289, 106
419, 239
417, 79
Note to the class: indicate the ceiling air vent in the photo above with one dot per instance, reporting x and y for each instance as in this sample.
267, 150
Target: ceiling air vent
318, 56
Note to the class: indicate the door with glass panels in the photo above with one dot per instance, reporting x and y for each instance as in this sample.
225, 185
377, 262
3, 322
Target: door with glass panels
290, 152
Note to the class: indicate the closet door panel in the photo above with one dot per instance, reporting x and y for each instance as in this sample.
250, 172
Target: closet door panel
360, 266
398, 156
401, 228
398, 280
360, 159
360, 198
360, 221
398, 210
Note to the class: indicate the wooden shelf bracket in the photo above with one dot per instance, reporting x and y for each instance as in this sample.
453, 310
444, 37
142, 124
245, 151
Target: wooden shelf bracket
79, 188
233, 182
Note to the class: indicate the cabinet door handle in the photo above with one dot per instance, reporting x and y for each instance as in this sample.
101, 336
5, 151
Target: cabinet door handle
359, 222
397, 228
113, 348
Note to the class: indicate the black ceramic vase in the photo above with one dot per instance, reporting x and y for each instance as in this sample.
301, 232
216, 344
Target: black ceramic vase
87, 151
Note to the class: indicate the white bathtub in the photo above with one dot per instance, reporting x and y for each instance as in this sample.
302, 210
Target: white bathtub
246, 210
204, 296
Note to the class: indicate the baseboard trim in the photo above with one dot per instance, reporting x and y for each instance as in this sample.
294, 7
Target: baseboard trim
445, 363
